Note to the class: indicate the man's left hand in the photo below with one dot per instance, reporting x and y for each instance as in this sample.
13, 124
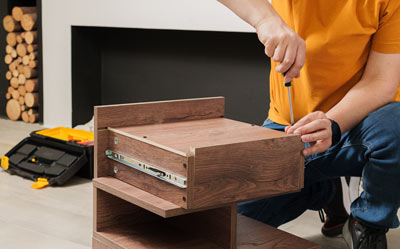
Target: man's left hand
314, 128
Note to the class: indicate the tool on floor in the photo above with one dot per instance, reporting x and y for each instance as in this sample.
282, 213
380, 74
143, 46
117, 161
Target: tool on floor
288, 85
51, 156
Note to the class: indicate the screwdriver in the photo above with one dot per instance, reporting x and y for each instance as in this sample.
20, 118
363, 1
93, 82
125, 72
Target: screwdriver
288, 85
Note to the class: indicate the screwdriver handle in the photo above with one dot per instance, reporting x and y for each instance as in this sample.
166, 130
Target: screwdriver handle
287, 84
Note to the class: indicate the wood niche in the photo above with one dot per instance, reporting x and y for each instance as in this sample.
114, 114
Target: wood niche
169, 174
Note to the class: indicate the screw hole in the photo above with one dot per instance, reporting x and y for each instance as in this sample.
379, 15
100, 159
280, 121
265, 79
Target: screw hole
184, 198
144, 136
184, 165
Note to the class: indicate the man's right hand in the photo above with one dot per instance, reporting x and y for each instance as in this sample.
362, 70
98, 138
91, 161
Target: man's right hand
283, 45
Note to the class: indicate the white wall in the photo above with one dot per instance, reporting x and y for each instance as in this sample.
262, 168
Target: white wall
59, 15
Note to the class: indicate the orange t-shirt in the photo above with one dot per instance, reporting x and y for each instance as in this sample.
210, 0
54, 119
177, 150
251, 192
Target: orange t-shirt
338, 35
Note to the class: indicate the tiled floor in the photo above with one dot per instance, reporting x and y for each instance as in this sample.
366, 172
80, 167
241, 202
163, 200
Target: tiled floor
61, 217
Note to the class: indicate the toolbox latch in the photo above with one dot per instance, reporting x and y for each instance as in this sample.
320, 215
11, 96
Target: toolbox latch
40, 183
5, 162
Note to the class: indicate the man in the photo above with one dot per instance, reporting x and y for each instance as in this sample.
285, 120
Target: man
344, 59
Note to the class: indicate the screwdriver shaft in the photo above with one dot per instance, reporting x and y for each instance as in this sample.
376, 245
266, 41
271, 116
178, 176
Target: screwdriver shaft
291, 107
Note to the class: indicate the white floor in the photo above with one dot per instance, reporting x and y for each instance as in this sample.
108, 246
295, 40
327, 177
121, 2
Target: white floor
61, 217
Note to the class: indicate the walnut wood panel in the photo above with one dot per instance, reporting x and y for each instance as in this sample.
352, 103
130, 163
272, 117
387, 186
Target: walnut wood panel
217, 225
97, 244
158, 112
183, 136
158, 235
112, 211
100, 160
253, 234
190, 179
138, 197
243, 171
148, 153
149, 183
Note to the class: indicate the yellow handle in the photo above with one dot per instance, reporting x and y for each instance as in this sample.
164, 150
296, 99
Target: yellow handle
5, 162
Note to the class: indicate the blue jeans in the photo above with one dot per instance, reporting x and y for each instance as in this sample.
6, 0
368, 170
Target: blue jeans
370, 150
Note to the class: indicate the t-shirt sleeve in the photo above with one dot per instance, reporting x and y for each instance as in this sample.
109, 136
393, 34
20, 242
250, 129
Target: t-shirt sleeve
387, 37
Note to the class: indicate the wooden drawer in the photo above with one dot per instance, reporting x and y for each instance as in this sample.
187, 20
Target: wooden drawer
187, 153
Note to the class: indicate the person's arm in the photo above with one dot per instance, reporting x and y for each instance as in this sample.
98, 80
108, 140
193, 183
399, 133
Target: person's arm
376, 88
281, 43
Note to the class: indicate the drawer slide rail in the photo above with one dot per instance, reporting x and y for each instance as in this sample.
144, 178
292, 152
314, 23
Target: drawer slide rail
161, 174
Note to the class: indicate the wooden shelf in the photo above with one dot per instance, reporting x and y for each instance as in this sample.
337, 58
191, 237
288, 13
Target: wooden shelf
158, 235
251, 235
139, 197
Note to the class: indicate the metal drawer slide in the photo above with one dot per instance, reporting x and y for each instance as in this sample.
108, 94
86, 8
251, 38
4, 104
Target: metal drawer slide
161, 174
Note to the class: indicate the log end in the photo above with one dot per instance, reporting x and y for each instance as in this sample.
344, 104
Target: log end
13, 109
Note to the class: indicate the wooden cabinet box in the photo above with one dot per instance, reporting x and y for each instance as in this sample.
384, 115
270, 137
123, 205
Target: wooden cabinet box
129, 218
187, 153
169, 174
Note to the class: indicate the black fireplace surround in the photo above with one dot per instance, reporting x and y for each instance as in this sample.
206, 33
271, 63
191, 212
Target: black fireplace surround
117, 65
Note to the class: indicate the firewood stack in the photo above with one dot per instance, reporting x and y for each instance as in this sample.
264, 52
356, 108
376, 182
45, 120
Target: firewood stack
22, 60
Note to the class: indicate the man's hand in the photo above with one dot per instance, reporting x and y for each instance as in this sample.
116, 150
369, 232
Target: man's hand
315, 128
283, 45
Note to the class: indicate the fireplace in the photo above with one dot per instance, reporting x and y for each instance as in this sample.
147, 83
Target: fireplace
124, 65
104, 52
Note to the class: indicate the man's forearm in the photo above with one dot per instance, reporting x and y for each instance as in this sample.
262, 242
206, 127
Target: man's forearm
254, 12
376, 88
365, 97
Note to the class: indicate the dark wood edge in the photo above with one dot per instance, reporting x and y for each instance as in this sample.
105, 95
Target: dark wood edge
190, 180
121, 115
108, 184
175, 210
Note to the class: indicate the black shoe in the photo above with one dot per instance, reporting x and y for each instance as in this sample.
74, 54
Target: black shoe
336, 214
359, 236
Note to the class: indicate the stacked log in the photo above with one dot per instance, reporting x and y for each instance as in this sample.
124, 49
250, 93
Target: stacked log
22, 61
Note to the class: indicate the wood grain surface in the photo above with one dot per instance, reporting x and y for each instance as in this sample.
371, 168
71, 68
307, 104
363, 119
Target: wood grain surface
217, 225
149, 183
111, 211
148, 153
253, 234
138, 197
101, 166
97, 244
185, 135
158, 112
158, 235
249, 170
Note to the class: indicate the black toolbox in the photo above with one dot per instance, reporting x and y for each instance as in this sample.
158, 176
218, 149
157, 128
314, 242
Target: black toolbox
52, 156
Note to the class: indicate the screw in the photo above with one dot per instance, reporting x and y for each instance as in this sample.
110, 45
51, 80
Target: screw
115, 169
115, 140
